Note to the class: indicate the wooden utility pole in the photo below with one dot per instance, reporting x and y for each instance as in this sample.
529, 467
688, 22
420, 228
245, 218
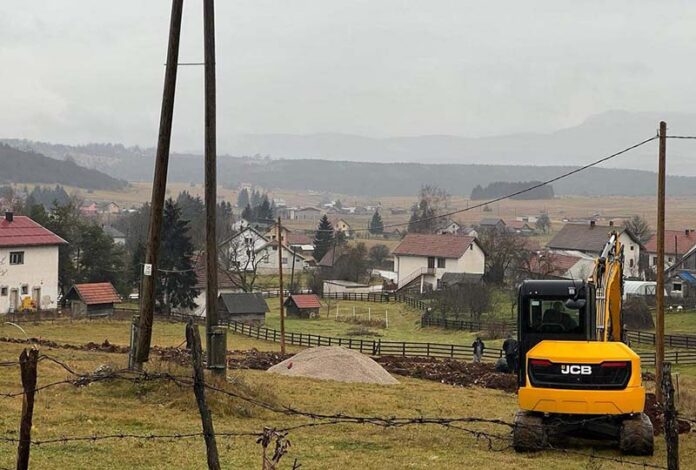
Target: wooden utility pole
670, 415
216, 343
194, 339
159, 188
27, 363
280, 282
660, 293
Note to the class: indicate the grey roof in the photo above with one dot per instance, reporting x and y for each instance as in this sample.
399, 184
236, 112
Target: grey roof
112, 232
584, 237
244, 302
452, 279
491, 222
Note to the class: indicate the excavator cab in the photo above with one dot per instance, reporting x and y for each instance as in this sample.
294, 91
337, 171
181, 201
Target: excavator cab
576, 376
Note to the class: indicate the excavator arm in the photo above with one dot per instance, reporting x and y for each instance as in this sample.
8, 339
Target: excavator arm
608, 280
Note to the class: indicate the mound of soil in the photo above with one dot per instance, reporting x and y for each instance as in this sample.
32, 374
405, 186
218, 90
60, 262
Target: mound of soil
334, 363
450, 372
656, 414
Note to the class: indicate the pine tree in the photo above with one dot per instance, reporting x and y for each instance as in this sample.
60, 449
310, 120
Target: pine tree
176, 277
323, 238
243, 198
248, 214
376, 226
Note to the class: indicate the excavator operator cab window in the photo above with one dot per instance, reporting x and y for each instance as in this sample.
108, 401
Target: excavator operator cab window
551, 316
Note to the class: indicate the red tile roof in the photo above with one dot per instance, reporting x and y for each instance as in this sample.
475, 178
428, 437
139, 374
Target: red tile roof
97, 293
23, 231
306, 300
552, 263
441, 246
294, 238
684, 242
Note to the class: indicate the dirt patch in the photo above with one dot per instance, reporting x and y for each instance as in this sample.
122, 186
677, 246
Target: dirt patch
450, 372
334, 363
656, 414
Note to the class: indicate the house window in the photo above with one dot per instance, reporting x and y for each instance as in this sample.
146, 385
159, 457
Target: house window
248, 240
3, 291
431, 262
654, 263
669, 260
632, 247
677, 287
16, 257
441, 262
25, 289
630, 262
285, 261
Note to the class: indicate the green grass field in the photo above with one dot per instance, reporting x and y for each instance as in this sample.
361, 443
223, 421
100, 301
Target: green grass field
117, 407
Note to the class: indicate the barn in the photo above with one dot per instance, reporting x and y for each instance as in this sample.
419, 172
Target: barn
302, 305
96, 299
246, 307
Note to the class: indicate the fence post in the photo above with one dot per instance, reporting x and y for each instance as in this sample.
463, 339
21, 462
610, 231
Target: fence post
193, 337
27, 362
671, 431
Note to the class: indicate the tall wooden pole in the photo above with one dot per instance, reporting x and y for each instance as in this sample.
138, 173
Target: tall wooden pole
27, 362
211, 184
159, 188
660, 294
280, 282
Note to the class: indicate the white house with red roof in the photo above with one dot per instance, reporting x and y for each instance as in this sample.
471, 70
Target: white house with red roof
421, 260
28, 264
677, 244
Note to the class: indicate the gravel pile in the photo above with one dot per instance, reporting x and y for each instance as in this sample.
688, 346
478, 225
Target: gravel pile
334, 363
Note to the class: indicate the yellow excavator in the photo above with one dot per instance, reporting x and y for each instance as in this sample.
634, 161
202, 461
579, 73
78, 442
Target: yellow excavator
576, 374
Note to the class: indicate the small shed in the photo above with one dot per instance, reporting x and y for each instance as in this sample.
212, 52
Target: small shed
246, 307
96, 299
302, 305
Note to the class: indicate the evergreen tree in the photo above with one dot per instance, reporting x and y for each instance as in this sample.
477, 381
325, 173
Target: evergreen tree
255, 200
176, 279
193, 210
338, 204
263, 212
100, 259
248, 214
376, 226
323, 238
243, 198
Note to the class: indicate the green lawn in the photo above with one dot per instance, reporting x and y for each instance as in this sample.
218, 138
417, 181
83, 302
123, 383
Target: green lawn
116, 407
404, 323
683, 322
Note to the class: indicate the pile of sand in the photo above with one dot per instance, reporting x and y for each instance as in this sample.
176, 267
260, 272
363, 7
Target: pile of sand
334, 363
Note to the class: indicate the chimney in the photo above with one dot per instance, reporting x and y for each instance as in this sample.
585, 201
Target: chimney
611, 223
9, 216
686, 232
592, 223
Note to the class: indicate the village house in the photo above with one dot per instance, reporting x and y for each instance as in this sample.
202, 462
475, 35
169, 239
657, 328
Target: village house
677, 244
421, 261
310, 214
95, 299
89, 209
590, 240
520, 227
268, 256
451, 228
492, 224
117, 236
559, 265
225, 284
28, 264
341, 226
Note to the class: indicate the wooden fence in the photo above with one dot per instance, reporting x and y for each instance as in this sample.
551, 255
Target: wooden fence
468, 325
672, 341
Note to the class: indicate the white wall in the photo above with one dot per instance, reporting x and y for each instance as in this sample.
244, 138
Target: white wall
631, 255
40, 269
269, 264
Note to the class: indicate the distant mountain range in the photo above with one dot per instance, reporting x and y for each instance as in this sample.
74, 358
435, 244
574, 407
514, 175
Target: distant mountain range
20, 166
399, 166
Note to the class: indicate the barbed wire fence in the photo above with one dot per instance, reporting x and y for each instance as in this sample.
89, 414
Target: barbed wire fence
274, 442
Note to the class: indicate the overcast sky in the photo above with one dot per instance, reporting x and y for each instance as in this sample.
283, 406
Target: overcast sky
76, 71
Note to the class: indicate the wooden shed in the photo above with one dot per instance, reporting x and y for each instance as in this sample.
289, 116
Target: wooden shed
247, 307
302, 305
95, 299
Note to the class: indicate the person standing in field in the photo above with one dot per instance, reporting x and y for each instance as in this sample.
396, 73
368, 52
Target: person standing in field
511, 350
478, 347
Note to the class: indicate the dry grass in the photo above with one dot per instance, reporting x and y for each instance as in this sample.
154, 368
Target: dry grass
119, 407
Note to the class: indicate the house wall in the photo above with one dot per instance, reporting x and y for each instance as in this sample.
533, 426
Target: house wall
269, 265
239, 244
40, 270
631, 255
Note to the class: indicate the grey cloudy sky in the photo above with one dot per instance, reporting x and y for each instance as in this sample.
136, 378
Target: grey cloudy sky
78, 71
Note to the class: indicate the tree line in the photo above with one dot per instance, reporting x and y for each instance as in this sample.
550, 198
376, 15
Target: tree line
502, 188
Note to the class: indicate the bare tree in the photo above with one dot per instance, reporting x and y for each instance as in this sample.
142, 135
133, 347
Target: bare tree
425, 214
505, 251
639, 227
240, 258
